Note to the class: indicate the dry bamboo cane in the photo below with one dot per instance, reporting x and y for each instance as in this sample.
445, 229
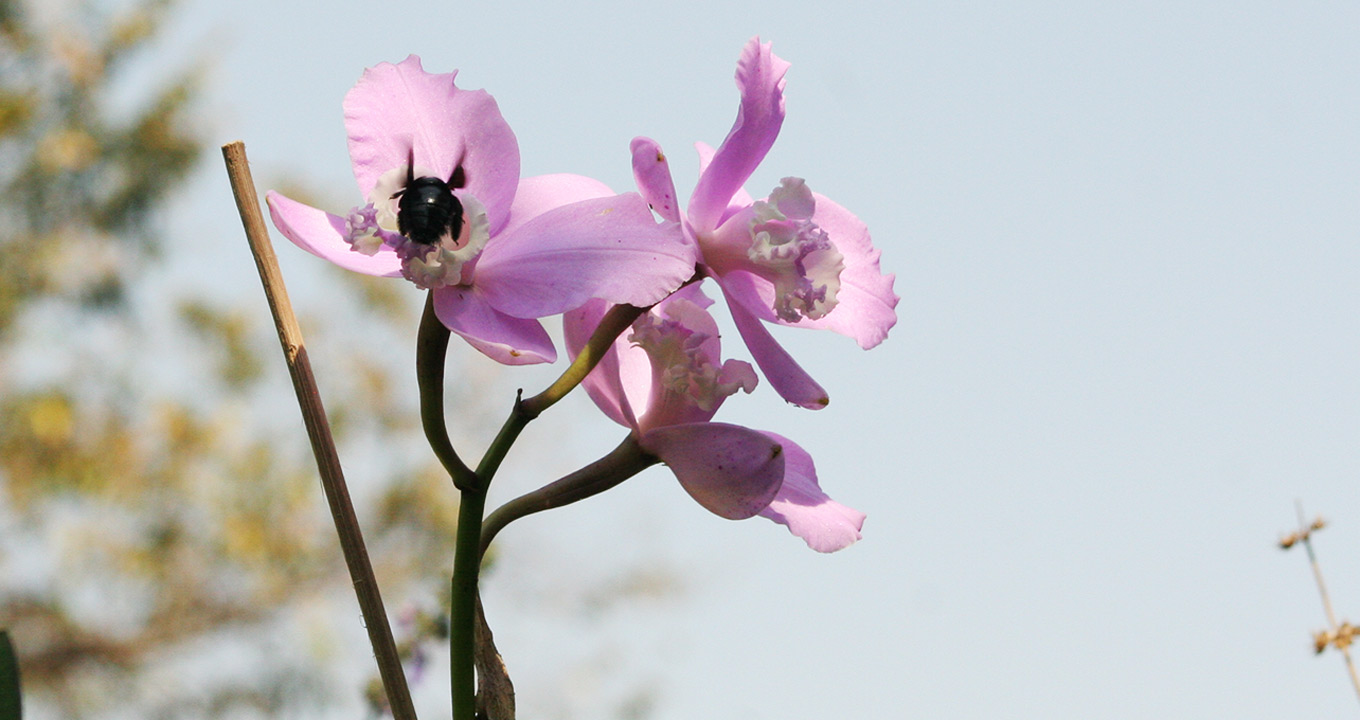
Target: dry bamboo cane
318, 430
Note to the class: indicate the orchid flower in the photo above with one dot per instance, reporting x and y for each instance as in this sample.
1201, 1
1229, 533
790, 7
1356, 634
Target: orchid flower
526, 248
794, 258
665, 382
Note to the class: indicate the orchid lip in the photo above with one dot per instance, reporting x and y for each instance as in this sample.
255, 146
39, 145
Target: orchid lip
777, 239
688, 382
797, 255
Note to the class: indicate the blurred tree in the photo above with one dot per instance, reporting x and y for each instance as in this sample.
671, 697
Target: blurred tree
144, 528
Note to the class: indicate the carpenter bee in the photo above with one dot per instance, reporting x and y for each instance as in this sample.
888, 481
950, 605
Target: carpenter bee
428, 208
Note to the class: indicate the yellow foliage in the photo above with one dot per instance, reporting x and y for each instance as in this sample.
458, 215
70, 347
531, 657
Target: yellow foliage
51, 420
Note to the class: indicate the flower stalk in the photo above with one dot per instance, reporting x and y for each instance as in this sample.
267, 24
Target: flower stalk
473, 486
463, 605
623, 462
611, 327
432, 346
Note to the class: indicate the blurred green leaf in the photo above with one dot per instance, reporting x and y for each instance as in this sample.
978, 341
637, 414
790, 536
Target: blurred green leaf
11, 704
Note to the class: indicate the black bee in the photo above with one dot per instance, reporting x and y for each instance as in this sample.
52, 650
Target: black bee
428, 208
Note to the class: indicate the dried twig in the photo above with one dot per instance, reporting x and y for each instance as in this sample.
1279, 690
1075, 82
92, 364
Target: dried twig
1338, 635
318, 430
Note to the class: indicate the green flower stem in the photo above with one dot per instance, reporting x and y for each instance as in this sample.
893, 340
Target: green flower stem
467, 553
463, 607
432, 347
11, 700
623, 462
610, 328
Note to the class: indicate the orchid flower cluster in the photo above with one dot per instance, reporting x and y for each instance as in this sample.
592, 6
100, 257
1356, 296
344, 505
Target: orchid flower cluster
626, 273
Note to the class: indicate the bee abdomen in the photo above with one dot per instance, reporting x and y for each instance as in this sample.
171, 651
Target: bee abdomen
428, 209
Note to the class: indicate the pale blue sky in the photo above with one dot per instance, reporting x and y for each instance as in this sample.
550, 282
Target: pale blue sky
1125, 237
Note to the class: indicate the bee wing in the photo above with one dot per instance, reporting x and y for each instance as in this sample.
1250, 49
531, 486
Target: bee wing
458, 178
410, 170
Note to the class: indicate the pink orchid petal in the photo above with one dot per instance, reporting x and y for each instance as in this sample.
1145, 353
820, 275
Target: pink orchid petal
866, 304
824, 524
505, 339
653, 175
608, 248
695, 294
604, 384
635, 377
786, 376
741, 199
734, 472
760, 78
754, 293
706, 153
541, 193
638, 373
395, 110
323, 235
728, 247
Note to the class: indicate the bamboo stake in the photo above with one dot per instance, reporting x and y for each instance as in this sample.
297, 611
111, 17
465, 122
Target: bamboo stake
318, 430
